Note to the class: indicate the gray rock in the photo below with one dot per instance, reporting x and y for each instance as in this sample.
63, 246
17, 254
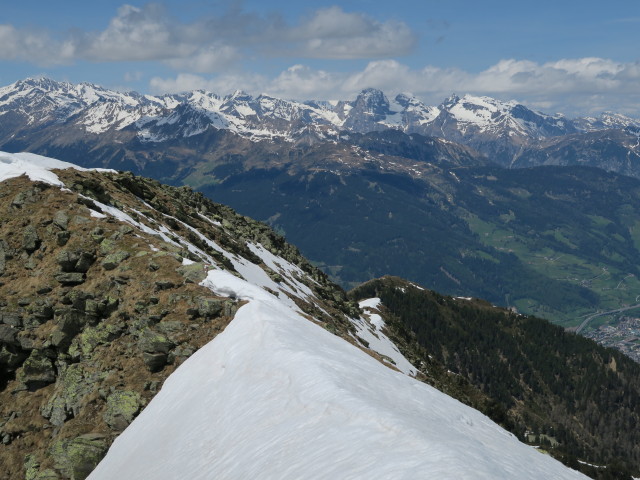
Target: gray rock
68, 399
154, 342
77, 299
30, 238
164, 285
97, 234
41, 310
155, 361
8, 336
209, 307
11, 318
24, 197
77, 458
62, 238
11, 358
193, 273
112, 260
67, 260
37, 371
61, 219
85, 261
122, 408
71, 278
75, 261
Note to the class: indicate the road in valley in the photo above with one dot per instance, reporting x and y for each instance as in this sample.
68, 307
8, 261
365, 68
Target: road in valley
586, 321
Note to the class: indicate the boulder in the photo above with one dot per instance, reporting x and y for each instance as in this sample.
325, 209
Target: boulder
76, 458
72, 387
154, 342
8, 336
61, 219
37, 371
11, 318
30, 239
67, 260
122, 408
62, 238
155, 361
112, 260
209, 307
71, 278
85, 261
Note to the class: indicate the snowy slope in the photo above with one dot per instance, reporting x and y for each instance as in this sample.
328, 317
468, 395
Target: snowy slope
276, 396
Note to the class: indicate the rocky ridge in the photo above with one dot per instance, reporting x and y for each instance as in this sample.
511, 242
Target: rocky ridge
101, 302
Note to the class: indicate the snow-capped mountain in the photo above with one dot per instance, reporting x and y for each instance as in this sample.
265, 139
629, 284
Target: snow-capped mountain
289, 379
51, 118
97, 110
607, 120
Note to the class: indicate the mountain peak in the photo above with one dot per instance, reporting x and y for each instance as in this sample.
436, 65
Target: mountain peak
43, 83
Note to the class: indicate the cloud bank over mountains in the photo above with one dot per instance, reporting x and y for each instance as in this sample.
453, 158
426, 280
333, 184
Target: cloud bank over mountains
583, 85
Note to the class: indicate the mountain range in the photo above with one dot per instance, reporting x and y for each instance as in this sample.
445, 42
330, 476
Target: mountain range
147, 332
372, 187
508, 133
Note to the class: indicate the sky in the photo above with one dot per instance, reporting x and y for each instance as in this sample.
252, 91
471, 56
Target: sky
576, 57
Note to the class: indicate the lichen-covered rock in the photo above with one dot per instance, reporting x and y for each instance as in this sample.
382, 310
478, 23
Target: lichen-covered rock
11, 358
122, 408
107, 246
112, 260
70, 322
209, 307
72, 386
32, 469
193, 273
153, 342
91, 337
76, 458
37, 371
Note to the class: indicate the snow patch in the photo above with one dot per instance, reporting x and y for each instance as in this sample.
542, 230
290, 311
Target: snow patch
36, 167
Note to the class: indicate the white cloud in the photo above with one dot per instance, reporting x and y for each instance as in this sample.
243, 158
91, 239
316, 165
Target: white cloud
36, 46
136, 34
572, 86
209, 59
333, 33
207, 45
222, 84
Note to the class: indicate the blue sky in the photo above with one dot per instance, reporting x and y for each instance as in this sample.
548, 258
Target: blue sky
572, 56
